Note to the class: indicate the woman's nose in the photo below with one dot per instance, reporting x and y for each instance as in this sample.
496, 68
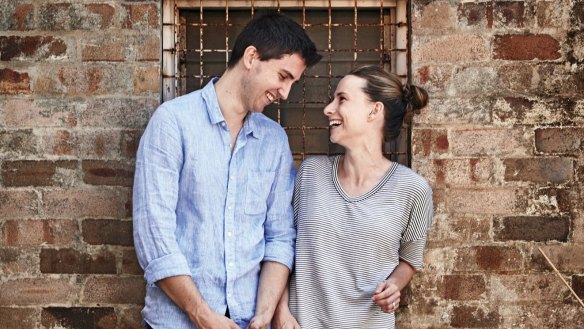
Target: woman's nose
329, 109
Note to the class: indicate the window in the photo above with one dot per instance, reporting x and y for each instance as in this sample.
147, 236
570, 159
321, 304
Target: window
198, 35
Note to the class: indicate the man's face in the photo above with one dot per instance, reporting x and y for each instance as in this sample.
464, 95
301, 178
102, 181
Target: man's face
268, 81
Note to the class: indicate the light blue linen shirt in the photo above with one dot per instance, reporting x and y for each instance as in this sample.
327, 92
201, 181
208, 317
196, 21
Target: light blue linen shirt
201, 210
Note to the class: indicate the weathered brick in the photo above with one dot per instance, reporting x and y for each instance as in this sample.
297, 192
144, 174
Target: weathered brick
560, 80
429, 141
509, 13
516, 78
458, 172
118, 112
16, 16
34, 113
107, 49
434, 17
88, 202
565, 257
450, 49
79, 317
108, 172
542, 314
130, 263
148, 48
554, 200
114, 290
508, 142
73, 261
499, 259
129, 143
575, 42
568, 140
18, 317
66, 16
37, 291
549, 14
484, 201
92, 80
18, 260
463, 287
18, 143
526, 47
37, 173
520, 110
577, 14
578, 285
527, 288
131, 318
450, 229
434, 78
147, 80
455, 110
539, 170
475, 14
18, 203
141, 16
39, 232
532, 228
31, 48
473, 80
99, 144
107, 231
13, 82
474, 317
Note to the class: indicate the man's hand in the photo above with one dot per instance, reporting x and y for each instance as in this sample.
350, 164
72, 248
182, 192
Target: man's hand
387, 296
212, 320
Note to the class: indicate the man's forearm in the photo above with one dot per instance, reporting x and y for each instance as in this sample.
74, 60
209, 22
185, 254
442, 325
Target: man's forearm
273, 279
184, 293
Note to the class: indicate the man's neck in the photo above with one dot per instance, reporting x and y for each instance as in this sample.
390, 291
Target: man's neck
228, 90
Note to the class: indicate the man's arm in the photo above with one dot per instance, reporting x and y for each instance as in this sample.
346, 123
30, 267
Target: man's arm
184, 293
273, 279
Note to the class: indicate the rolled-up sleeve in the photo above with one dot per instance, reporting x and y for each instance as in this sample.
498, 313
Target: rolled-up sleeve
414, 238
155, 196
280, 232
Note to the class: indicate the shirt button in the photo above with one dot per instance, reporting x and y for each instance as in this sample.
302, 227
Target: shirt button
228, 295
230, 264
228, 233
229, 207
232, 177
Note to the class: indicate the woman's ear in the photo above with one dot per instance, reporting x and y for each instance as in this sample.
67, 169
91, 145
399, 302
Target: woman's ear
249, 55
376, 110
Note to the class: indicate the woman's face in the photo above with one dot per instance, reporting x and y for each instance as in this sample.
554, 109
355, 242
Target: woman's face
348, 111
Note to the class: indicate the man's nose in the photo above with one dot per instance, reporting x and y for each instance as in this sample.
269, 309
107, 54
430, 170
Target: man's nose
285, 91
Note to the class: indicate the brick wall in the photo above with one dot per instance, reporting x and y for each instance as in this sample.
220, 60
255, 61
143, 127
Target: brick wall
501, 143
78, 81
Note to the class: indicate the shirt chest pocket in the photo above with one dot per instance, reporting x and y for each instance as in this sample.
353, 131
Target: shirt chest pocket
259, 184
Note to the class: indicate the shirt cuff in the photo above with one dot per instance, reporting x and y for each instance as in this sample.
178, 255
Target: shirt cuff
281, 253
166, 266
413, 253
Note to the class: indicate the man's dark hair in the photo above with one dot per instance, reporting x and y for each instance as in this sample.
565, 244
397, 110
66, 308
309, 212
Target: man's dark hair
274, 35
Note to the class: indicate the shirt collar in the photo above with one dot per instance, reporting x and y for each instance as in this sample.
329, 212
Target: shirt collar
251, 123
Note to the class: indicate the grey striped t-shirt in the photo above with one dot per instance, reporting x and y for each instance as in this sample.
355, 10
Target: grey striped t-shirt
346, 245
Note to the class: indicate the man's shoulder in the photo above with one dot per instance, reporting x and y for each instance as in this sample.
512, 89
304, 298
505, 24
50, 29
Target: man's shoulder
268, 126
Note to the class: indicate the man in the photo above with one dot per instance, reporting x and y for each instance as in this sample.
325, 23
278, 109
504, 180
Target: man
213, 224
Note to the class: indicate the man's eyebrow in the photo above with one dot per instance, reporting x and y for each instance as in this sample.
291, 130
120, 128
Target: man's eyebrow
288, 74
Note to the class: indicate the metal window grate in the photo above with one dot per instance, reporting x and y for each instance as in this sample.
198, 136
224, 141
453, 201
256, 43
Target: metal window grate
198, 36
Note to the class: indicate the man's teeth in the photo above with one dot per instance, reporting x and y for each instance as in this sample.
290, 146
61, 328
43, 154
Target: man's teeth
335, 123
270, 97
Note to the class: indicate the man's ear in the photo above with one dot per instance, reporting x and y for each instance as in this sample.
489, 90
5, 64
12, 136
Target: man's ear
249, 55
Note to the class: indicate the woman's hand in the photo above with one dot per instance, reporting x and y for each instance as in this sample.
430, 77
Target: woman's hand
283, 319
387, 296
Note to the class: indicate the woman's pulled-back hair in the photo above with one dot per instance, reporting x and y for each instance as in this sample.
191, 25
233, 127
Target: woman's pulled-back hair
398, 100
274, 35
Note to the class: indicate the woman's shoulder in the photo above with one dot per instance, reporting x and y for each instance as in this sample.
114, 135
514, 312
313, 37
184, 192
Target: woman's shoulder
411, 178
316, 163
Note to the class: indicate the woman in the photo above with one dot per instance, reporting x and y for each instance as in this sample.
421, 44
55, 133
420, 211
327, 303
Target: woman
362, 219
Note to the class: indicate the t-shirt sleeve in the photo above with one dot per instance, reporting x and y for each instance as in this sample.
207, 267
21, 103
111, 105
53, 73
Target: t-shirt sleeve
414, 237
